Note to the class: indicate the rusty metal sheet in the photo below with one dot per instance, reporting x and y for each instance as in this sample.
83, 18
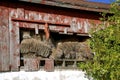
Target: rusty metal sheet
14, 38
49, 65
4, 39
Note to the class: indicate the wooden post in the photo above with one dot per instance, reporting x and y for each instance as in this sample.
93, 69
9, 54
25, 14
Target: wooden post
63, 64
49, 65
4, 40
31, 63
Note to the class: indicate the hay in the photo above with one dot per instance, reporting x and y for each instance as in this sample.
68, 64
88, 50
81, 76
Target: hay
65, 50
83, 51
25, 45
56, 53
72, 50
69, 52
43, 50
34, 45
29, 45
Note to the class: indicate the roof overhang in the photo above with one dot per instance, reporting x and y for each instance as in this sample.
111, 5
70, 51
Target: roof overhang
74, 4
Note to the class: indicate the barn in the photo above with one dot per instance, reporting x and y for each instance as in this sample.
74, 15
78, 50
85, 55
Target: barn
46, 34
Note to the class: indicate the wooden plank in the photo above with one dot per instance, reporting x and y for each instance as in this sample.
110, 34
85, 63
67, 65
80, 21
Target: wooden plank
31, 62
40, 22
14, 37
49, 65
4, 39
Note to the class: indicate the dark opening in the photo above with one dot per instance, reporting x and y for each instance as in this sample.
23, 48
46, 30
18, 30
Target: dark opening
42, 63
55, 37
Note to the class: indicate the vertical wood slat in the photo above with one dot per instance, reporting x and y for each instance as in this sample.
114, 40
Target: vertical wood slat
4, 39
31, 64
14, 38
49, 65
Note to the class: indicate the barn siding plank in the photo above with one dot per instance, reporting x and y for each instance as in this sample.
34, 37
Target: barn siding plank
4, 39
14, 37
31, 64
49, 65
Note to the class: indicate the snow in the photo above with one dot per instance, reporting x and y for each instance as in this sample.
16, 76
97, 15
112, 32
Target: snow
43, 75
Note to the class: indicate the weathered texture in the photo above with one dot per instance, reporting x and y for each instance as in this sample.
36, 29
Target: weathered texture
49, 65
83, 51
31, 63
28, 44
14, 16
44, 50
34, 45
4, 39
14, 38
72, 50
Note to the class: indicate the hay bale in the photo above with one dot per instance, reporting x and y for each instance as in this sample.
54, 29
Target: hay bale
69, 50
43, 50
25, 43
64, 50
29, 45
25, 46
57, 53
83, 51
72, 50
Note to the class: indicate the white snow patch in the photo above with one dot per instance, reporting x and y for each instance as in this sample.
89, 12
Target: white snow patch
43, 75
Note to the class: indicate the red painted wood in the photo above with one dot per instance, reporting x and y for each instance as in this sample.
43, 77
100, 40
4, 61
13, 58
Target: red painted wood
40, 22
31, 64
27, 15
49, 65
14, 38
4, 39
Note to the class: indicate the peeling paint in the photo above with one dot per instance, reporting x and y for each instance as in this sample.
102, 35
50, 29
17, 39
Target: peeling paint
14, 16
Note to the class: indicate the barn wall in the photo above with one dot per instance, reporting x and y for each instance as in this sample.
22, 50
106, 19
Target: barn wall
4, 39
14, 15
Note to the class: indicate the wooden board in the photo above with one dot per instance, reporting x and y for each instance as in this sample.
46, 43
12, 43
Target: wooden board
14, 37
49, 65
31, 62
4, 40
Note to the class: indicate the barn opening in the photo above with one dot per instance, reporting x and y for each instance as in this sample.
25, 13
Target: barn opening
67, 59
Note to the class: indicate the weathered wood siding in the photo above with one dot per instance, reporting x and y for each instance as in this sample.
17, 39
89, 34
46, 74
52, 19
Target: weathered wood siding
4, 39
14, 16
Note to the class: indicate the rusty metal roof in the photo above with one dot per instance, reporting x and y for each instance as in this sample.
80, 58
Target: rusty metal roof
74, 4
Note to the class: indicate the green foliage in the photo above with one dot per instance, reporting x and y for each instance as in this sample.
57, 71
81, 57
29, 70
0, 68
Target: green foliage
106, 44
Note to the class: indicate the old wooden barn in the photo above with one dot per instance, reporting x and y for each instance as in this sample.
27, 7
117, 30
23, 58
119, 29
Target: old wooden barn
46, 34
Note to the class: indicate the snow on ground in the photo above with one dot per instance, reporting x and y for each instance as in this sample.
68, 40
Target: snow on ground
43, 75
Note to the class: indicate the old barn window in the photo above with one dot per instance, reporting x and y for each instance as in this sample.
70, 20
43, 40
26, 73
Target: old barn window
60, 51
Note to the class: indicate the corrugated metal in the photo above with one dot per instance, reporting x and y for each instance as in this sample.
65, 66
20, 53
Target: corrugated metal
75, 4
4, 39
